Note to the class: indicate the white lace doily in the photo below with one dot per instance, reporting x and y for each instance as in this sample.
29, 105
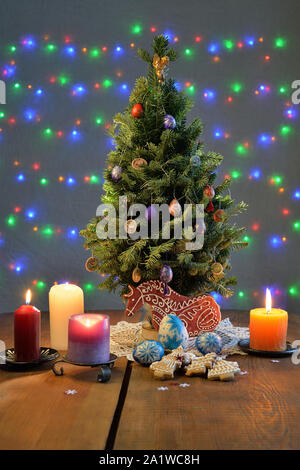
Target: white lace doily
125, 336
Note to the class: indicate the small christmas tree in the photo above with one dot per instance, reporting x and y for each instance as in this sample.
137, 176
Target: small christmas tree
159, 159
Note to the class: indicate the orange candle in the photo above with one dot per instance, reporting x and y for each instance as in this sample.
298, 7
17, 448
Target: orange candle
268, 327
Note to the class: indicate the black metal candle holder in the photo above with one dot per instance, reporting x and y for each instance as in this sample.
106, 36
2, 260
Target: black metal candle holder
46, 355
244, 344
104, 373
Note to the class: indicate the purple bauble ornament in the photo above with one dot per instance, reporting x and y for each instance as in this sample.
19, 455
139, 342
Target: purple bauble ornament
166, 275
151, 212
116, 173
200, 227
169, 122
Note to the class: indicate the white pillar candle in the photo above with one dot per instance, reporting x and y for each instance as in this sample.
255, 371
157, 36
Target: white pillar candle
64, 300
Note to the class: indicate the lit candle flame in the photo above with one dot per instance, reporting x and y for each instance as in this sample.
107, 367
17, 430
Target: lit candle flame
28, 297
87, 322
268, 301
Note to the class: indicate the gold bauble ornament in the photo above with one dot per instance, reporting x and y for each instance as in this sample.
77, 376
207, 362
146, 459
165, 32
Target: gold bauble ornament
91, 264
193, 271
217, 271
217, 268
138, 163
130, 226
159, 64
136, 274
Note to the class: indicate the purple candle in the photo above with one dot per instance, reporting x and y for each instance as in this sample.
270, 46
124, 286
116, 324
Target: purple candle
88, 339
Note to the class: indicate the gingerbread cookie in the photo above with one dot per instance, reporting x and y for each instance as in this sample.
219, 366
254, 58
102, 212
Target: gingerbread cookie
181, 355
223, 370
210, 359
164, 369
200, 365
197, 367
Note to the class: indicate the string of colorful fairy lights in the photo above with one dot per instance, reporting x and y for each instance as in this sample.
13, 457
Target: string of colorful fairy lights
76, 130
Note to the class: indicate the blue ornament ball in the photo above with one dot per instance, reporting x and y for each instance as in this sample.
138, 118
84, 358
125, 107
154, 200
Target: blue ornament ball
147, 352
172, 333
209, 342
169, 122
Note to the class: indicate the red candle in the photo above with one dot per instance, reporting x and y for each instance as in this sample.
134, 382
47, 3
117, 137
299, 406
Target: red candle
27, 320
88, 338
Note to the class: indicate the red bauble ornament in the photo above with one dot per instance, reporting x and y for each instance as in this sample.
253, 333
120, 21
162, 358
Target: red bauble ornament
209, 192
137, 110
175, 208
210, 207
219, 215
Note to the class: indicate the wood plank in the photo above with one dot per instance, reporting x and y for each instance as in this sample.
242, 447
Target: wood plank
260, 410
35, 413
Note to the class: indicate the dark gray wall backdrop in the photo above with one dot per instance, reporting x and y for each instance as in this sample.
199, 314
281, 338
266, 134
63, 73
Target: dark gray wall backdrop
90, 23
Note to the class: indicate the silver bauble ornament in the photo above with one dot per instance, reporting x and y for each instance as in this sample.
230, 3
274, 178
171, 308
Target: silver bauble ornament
116, 173
195, 160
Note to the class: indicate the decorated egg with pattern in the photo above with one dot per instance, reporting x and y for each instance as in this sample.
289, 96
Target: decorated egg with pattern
147, 352
172, 333
209, 342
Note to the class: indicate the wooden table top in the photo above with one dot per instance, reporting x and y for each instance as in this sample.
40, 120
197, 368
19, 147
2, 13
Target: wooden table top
260, 410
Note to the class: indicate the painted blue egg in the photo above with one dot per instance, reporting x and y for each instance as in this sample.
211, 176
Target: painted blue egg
209, 342
147, 352
172, 333
169, 122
